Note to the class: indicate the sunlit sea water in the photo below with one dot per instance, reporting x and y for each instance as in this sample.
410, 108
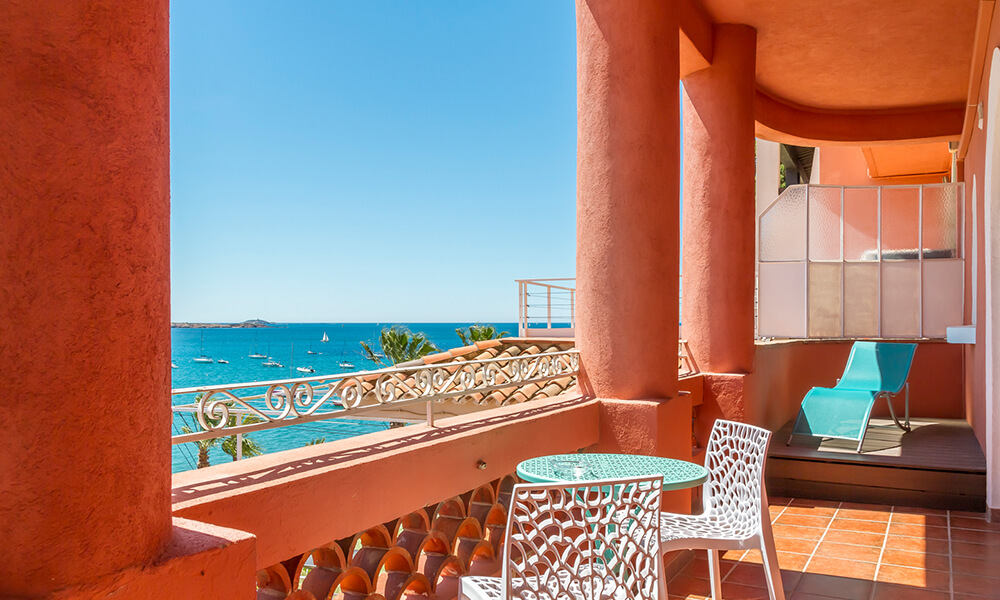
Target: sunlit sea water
288, 344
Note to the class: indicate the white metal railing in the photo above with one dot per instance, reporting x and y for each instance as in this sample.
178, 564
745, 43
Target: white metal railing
546, 307
294, 401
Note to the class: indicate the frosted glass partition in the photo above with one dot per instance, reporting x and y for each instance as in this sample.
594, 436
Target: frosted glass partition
781, 299
861, 261
789, 216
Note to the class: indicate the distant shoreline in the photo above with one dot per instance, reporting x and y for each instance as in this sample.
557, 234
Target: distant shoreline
251, 324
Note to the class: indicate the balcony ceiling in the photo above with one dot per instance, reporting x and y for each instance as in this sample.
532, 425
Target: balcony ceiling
859, 54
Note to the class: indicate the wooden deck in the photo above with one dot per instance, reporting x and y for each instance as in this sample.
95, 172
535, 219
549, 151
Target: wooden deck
939, 464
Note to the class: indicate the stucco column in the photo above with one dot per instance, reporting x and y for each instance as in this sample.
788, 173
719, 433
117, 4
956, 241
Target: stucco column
627, 197
84, 290
719, 205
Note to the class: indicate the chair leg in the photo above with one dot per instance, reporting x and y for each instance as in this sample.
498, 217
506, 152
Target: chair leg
771, 569
714, 574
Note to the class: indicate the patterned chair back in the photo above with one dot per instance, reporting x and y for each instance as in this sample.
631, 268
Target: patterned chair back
735, 461
599, 539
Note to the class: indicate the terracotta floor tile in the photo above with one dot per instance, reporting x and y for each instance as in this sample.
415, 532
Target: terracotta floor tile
859, 538
968, 515
976, 536
801, 596
923, 531
932, 580
754, 575
971, 584
864, 512
778, 501
814, 511
840, 567
973, 523
969, 550
833, 587
915, 544
856, 525
917, 519
736, 591
919, 560
890, 591
797, 546
688, 597
916, 510
849, 551
795, 532
817, 504
698, 567
803, 520
733, 555
975, 566
682, 585
972, 597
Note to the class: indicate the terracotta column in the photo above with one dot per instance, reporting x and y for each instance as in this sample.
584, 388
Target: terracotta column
627, 196
84, 290
719, 205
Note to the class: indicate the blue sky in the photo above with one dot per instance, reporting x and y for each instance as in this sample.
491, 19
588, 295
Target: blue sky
369, 161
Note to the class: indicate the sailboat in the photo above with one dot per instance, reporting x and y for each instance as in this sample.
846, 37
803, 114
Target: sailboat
344, 363
253, 351
203, 358
270, 362
326, 338
310, 350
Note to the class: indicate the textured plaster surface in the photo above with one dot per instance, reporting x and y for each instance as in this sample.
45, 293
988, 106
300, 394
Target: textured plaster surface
346, 486
719, 193
627, 195
651, 427
84, 289
201, 561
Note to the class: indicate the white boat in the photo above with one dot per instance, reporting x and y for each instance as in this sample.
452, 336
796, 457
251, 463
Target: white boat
253, 351
222, 361
173, 365
203, 358
325, 338
270, 362
305, 369
346, 365
311, 352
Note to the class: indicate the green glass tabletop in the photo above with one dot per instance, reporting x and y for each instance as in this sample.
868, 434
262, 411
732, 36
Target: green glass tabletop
677, 474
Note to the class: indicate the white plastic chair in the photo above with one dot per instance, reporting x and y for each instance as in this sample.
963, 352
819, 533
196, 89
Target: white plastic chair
735, 515
591, 541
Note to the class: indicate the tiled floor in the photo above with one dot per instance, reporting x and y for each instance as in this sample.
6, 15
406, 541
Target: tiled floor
861, 552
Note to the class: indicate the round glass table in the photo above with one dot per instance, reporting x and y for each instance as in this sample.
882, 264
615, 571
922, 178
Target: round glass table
566, 468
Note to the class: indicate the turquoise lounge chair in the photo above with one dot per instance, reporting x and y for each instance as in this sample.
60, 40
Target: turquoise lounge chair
874, 370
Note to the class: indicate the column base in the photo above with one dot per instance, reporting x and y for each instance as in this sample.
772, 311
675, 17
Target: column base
201, 561
655, 427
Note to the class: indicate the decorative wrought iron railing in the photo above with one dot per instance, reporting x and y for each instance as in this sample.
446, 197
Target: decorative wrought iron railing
236, 409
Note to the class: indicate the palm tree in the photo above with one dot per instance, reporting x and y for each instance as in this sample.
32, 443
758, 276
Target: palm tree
478, 333
250, 447
399, 344
203, 447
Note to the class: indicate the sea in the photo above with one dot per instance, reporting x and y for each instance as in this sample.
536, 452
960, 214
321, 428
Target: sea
289, 344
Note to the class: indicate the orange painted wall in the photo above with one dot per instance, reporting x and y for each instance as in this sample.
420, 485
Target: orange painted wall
787, 370
974, 165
